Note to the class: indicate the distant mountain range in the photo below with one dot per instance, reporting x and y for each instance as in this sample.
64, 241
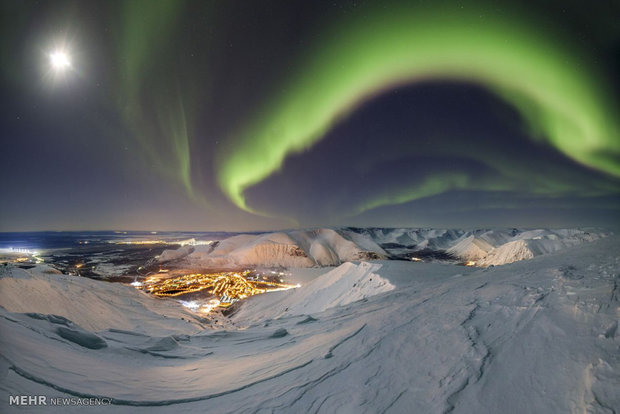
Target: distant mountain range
331, 247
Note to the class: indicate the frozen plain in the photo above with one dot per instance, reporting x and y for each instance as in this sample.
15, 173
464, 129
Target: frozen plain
535, 336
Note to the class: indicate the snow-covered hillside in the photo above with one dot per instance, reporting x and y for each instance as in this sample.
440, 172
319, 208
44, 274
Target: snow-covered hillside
482, 247
91, 304
299, 248
345, 284
329, 247
418, 239
471, 248
528, 244
536, 336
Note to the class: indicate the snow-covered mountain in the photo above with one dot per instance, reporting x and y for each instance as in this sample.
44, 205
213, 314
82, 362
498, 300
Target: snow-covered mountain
331, 247
481, 247
539, 336
417, 239
90, 304
471, 248
340, 286
515, 246
298, 248
535, 243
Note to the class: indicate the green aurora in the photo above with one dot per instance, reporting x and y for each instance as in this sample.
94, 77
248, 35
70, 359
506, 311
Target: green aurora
187, 114
147, 29
558, 92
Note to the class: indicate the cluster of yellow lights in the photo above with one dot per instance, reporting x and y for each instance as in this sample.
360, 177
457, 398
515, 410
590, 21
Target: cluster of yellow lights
228, 286
470, 263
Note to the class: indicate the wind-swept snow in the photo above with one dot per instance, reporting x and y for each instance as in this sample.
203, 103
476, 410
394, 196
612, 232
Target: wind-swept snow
536, 336
343, 285
91, 304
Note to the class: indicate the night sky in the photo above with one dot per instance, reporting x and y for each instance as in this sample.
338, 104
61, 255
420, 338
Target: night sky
252, 115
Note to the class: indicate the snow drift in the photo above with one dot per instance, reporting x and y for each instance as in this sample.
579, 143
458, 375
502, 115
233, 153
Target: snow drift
343, 285
91, 304
539, 336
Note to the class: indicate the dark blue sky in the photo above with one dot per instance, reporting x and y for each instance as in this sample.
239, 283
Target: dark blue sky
129, 137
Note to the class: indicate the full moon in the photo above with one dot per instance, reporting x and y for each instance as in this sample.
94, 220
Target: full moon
60, 60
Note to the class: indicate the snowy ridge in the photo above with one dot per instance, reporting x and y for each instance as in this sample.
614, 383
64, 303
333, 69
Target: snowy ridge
484, 247
91, 304
437, 239
535, 243
345, 284
331, 247
471, 248
539, 336
299, 248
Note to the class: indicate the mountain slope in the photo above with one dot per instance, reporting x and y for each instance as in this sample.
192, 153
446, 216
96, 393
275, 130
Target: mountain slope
299, 248
537, 336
